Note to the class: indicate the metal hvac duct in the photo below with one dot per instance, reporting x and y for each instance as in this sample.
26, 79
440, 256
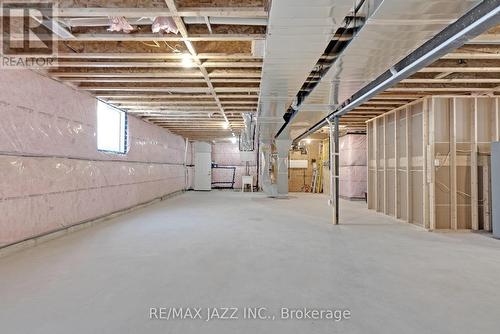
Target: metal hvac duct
298, 33
393, 30
247, 136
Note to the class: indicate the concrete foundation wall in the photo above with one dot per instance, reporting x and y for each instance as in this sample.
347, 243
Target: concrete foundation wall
51, 174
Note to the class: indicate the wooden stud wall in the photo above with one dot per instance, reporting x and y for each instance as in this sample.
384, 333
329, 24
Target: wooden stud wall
429, 161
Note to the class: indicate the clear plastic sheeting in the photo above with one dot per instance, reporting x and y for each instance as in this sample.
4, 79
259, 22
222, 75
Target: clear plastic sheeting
353, 166
119, 23
164, 24
353, 150
51, 174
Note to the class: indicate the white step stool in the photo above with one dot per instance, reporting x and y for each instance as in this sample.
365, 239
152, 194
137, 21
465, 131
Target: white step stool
246, 180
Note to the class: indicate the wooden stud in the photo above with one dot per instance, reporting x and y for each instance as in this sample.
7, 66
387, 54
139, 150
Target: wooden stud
473, 171
384, 141
396, 165
375, 142
408, 166
453, 165
425, 157
497, 123
369, 135
431, 170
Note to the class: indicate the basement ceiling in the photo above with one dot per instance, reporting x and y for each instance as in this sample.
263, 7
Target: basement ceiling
196, 83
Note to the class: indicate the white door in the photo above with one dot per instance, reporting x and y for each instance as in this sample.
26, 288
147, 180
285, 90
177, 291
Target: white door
202, 166
203, 171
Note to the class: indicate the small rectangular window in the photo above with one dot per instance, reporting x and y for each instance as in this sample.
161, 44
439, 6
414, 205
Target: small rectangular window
111, 129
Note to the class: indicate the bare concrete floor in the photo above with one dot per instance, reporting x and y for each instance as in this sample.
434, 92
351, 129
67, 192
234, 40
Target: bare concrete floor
225, 249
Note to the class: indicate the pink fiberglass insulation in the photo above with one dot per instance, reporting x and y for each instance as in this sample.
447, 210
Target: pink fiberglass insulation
353, 166
164, 24
119, 23
228, 154
51, 174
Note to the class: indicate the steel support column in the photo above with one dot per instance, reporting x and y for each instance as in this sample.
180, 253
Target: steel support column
334, 167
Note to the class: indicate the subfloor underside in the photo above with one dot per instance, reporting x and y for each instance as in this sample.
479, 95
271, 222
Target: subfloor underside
227, 249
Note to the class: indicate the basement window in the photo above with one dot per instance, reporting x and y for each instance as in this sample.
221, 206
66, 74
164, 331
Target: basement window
111, 129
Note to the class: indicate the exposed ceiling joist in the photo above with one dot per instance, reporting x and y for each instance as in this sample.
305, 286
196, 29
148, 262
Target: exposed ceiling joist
145, 37
243, 12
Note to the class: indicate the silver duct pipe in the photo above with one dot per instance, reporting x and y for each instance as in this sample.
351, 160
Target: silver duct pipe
481, 18
298, 33
393, 30
247, 140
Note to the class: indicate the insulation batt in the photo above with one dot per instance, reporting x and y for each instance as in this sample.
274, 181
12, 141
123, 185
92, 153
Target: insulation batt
51, 173
353, 166
164, 24
119, 23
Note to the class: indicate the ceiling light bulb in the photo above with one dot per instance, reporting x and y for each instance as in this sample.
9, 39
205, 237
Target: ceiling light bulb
187, 61
225, 125
233, 140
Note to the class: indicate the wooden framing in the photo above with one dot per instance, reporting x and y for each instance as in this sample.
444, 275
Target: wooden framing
409, 194
449, 157
153, 12
144, 67
396, 165
145, 73
453, 169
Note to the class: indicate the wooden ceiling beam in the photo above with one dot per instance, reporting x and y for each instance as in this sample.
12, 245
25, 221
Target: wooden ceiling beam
444, 90
151, 55
241, 12
169, 107
157, 80
171, 89
135, 80
148, 37
438, 80
169, 74
471, 55
179, 64
169, 96
163, 74
460, 69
